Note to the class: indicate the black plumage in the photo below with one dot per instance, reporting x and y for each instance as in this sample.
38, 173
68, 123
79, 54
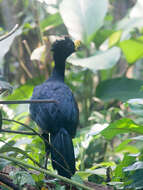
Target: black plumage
60, 119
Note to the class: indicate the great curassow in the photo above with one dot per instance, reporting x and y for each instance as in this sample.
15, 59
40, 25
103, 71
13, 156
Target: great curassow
59, 119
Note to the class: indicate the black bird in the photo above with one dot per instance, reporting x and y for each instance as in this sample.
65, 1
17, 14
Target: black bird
59, 119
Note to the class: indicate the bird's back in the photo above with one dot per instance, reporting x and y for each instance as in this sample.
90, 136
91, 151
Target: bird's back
53, 116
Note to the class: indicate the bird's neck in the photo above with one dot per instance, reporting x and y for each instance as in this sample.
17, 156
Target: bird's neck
59, 70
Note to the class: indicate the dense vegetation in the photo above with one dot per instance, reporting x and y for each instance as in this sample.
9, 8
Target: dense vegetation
105, 77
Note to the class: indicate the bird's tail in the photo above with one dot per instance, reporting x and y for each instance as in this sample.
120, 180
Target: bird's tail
62, 153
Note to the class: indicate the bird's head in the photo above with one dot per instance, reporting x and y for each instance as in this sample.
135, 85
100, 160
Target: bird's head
65, 47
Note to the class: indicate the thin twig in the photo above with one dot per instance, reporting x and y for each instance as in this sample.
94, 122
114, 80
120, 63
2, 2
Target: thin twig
24, 125
23, 153
17, 132
27, 101
9, 33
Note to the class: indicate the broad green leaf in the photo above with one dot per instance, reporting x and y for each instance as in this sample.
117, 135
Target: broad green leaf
132, 49
127, 160
77, 178
119, 88
51, 20
101, 36
85, 174
122, 145
25, 91
136, 180
121, 126
102, 60
83, 18
17, 150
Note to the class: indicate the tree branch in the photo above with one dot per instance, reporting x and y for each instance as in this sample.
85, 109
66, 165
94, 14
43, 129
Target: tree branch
27, 101
69, 181
9, 33
17, 132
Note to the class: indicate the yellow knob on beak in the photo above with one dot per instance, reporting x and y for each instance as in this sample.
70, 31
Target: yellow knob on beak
77, 44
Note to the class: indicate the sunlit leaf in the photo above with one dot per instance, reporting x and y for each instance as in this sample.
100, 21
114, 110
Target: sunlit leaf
83, 18
136, 166
114, 38
102, 60
121, 126
132, 49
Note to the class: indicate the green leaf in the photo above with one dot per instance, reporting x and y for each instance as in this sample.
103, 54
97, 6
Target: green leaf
77, 178
21, 178
8, 148
83, 19
124, 125
136, 166
0, 120
120, 89
125, 147
132, 49
136, 180
3, 163
114, 38
127, 160
102, 60
54, 20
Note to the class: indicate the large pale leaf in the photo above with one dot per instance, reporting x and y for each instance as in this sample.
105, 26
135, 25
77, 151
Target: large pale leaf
129, 24
120, 89
121, 126
102, 60
5, 44
83, 17
136, 166
137, 10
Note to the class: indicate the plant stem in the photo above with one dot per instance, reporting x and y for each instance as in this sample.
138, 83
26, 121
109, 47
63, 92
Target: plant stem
69, 181
17, 132
26, 101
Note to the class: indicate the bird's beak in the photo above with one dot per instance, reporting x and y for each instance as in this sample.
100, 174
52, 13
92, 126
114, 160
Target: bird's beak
77, 44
